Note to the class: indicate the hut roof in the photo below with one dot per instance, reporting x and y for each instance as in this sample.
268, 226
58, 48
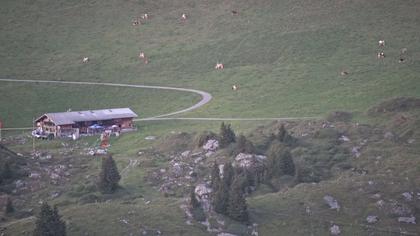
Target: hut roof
65, 118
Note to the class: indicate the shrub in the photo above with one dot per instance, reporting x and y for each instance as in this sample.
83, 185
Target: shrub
243, 145
226, 135
203, 137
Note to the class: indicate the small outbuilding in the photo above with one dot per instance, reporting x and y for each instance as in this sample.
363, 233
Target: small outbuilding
75, 123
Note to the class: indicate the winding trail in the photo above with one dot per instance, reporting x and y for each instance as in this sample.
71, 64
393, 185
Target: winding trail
205, 98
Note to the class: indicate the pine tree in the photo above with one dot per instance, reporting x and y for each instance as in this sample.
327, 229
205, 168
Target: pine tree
9, 206
237, 208
193, 199
109, 175
49, 223
279, 161
286, 164
7, 171
215, 176
243, 145
272, 159
282, 133
227, 136
228, 174
283, 136
221, 198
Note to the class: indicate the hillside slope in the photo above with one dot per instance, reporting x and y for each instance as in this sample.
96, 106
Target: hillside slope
285, 56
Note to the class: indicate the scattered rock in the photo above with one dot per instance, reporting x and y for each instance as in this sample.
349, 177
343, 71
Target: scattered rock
372, 219
186, 153
411, 141
55, 195
407, 196
400, 209
331, 202
19, 183
408, 220
150, 138
380, 203
335, 230
35, 175
356, 151
225, 234
389, 135
209, 153
344, 138
211, 145
248, 160
376, 195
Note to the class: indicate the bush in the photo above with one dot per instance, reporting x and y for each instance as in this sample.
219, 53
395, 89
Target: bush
338, 116
198, 214
89, 198
203, 137
243, 145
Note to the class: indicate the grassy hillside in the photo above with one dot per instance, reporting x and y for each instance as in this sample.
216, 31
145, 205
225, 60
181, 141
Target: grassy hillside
285, 56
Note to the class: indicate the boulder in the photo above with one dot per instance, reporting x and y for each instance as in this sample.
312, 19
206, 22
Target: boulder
407, 196
211, 145
335, 230
332, 203
248, 160
408, 220
372, 219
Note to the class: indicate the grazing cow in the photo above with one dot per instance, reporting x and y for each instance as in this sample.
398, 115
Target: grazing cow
135, 22
146, 61
184, 16
145, 16
381, 55
219, 66
344, 73
234, 87
381, 43
141, 55
234, 12
401, 60
85, 59
403, 51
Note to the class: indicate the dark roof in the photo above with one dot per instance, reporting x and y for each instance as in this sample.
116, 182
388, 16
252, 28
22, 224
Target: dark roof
65, 118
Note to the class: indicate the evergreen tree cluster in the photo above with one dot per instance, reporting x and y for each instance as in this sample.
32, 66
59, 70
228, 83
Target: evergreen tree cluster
226, 135
279, 161
283, 136
228, 196
109, 176
9, 206
49, 223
